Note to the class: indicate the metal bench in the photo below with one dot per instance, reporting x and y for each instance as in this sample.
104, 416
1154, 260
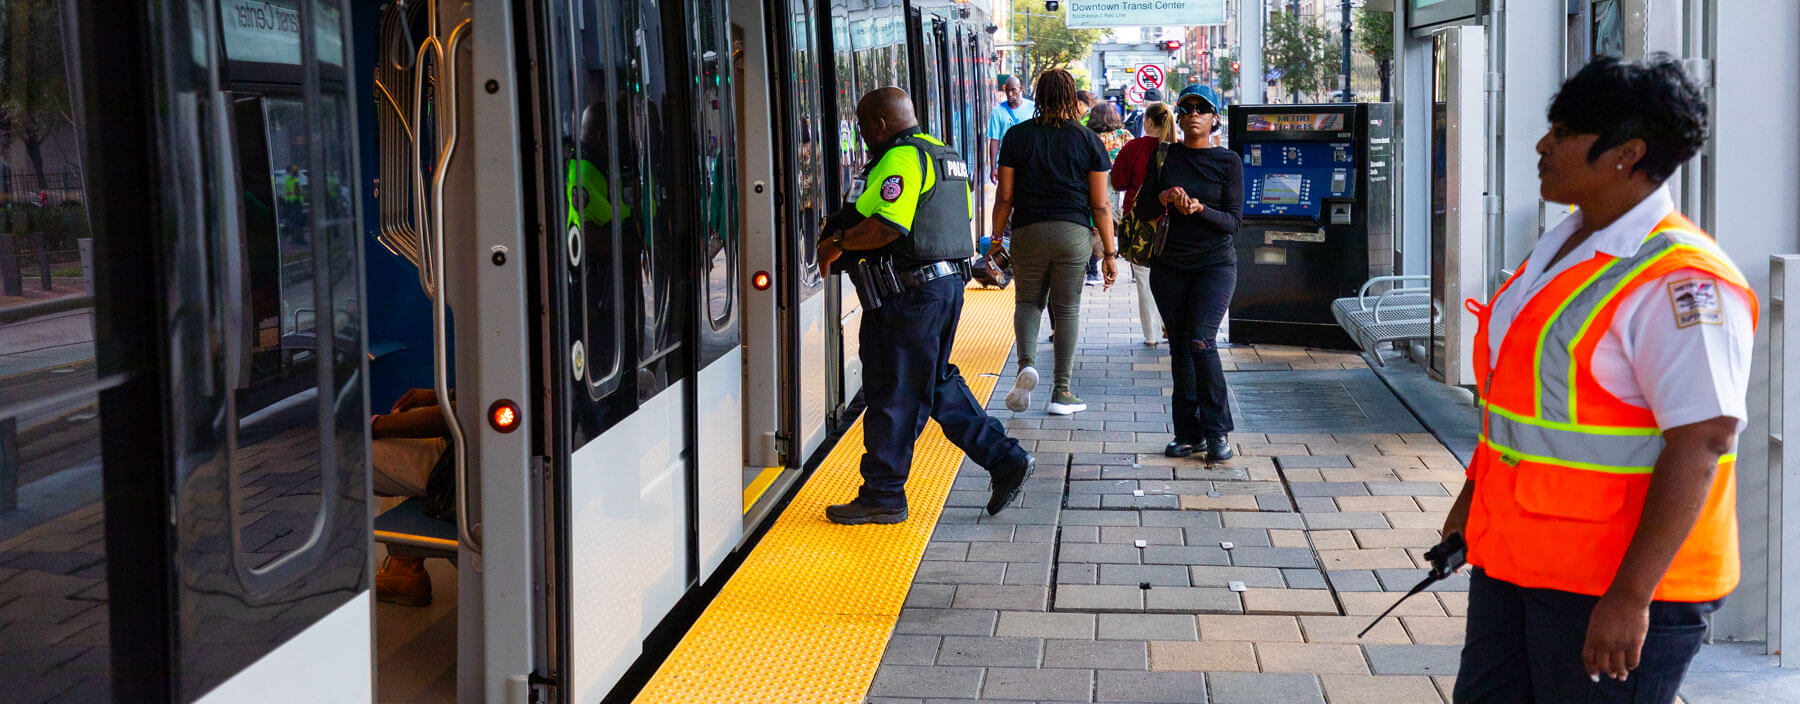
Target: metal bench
408, 525
1395, 315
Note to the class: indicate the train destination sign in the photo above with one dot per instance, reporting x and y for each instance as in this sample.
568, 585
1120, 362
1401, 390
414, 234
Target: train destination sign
1095, 14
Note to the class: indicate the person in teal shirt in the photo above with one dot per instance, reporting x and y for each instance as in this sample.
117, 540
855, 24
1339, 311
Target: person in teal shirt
1012, 111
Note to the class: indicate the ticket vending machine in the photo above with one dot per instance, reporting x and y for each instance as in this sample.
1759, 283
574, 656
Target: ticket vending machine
1318, 216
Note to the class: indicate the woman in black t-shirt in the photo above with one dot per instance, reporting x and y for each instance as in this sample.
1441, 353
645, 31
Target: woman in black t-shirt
1201, 190
1053, 186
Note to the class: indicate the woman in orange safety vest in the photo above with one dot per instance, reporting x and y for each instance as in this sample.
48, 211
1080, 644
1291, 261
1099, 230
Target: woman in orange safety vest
1599, 508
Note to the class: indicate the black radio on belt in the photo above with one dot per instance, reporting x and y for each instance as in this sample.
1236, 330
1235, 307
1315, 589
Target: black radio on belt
878, 281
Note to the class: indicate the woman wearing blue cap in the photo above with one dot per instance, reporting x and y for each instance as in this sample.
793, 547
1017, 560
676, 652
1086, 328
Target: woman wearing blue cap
1200, 188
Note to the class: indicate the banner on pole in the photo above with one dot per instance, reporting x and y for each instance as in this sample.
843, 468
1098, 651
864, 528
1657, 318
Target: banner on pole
1097, 14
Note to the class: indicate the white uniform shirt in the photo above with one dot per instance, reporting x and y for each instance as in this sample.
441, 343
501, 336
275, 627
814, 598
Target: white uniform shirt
1685, 360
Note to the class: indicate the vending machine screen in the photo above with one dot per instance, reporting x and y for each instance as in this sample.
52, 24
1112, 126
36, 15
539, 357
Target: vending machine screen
1291, 178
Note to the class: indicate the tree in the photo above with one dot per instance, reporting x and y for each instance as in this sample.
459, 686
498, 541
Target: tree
34, 99
1301, 52
1375, 35
1228, 78
1053, 44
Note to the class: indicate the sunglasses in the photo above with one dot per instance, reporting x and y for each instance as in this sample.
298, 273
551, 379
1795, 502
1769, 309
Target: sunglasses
1191, 108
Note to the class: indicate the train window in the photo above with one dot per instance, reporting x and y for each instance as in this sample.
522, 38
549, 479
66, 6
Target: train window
808, 208
597, 211
274, 451
662, 267
718, 170
53, 535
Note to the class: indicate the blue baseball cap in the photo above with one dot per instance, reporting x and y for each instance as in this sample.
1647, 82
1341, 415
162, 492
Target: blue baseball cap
1196, 90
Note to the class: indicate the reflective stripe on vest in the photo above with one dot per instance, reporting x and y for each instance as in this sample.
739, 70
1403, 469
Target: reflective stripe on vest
1615, 450
1563, 467
1555, 365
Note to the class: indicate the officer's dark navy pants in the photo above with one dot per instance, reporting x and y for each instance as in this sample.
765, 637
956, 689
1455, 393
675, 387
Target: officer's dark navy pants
908, 378
1524, 645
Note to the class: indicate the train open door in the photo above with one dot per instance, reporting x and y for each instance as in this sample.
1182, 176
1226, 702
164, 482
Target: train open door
787, 324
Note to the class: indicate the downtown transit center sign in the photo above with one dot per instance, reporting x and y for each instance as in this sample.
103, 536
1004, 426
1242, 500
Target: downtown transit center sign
1094, 14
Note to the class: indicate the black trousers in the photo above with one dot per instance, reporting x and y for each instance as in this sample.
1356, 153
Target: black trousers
907, 379
1193, 304
1524, 645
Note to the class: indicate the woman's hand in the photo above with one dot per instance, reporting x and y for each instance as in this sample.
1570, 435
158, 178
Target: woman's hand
1173, 196
1109, 268
1191, 206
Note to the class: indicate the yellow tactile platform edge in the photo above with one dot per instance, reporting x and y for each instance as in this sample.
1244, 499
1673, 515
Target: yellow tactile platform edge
808, 615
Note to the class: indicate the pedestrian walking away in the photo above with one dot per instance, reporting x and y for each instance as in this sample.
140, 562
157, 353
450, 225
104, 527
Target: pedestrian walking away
1129, 167
905, 242
1599, 508
1053, 192
1200, 190
1104, 120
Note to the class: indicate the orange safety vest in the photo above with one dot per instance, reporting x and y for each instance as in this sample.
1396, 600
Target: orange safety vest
1562, 466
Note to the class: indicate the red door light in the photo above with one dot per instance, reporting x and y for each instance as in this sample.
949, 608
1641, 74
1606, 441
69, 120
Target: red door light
760, 281
504, 416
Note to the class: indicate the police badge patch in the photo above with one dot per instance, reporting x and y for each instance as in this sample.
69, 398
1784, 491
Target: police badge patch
892, 187
1696, 302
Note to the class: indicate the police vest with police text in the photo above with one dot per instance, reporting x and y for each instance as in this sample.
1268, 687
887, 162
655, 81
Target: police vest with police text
940, 229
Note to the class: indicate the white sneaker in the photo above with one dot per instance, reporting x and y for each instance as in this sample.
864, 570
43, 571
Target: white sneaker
1019, 398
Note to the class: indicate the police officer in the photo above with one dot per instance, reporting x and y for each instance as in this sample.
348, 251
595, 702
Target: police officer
906, 246
1599, 508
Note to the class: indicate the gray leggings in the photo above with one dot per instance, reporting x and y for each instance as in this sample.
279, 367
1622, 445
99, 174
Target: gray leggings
1049, 268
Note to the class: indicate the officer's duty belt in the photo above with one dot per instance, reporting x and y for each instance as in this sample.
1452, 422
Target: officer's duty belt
877, 280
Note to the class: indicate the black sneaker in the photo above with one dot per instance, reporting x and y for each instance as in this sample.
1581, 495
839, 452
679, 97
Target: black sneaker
1007, 487
1218, 449
1177, 448
855, 514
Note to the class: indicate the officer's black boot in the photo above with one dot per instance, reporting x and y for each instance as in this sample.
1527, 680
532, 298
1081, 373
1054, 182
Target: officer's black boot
1007, 485
855, 513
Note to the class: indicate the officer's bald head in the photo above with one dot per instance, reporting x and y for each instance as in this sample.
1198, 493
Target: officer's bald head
883, 113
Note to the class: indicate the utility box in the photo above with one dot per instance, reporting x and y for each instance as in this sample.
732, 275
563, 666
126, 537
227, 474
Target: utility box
1318, 216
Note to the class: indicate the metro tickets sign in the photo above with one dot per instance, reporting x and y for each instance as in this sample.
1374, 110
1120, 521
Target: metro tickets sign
1089, 14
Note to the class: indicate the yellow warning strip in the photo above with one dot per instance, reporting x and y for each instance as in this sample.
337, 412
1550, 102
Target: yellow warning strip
809, 613
754, 490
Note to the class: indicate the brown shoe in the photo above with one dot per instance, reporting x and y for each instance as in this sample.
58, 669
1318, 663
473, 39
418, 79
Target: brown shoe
403, 581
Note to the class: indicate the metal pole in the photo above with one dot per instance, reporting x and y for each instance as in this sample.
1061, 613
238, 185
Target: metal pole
10, 281
43, 259
1252, 83
1346, 86
9, 465
1294, 90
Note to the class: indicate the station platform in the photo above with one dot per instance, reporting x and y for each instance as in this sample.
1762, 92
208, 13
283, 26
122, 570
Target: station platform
1123, 575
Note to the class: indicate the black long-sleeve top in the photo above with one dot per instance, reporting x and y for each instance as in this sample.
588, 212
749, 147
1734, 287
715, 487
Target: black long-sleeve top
1215, 175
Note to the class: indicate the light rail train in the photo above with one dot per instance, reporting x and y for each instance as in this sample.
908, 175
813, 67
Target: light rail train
593, 223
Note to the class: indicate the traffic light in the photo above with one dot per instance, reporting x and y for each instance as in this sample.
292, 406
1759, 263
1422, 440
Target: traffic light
1234, 67
1171, 45
1051, 5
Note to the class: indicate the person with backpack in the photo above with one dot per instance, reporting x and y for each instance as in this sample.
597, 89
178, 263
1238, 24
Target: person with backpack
1199, 190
